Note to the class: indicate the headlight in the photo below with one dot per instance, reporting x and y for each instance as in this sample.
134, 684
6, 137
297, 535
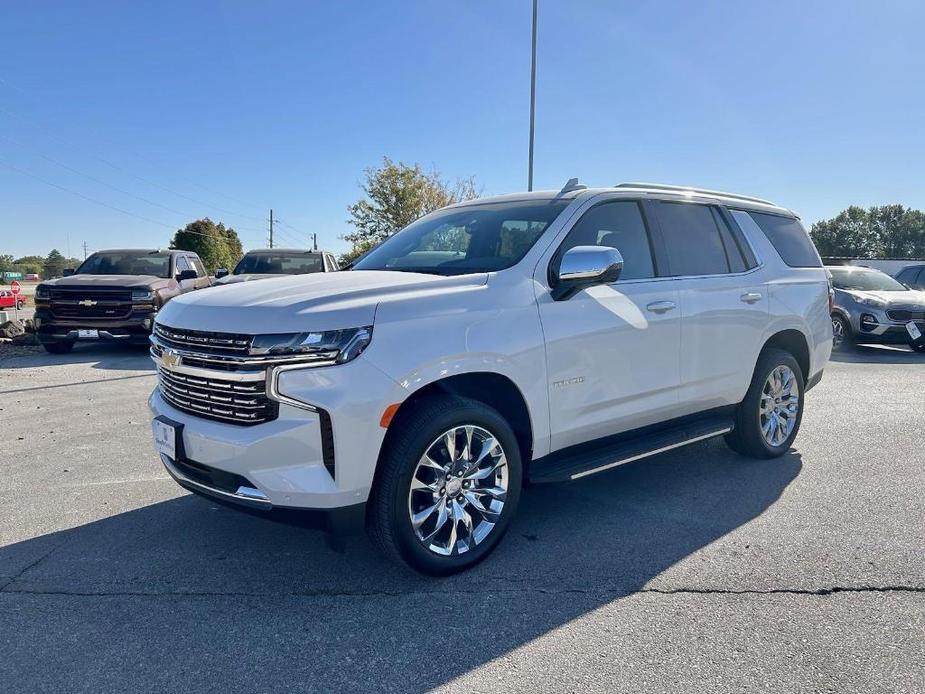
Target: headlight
870, 301
142, 296
42, 293
339, 346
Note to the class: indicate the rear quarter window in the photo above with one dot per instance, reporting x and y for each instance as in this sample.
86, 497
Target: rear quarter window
788, 237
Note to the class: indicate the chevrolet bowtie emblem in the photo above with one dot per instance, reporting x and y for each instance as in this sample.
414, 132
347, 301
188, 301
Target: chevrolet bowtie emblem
170, 358
86, 302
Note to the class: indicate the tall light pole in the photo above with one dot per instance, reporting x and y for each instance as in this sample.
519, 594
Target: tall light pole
532, 99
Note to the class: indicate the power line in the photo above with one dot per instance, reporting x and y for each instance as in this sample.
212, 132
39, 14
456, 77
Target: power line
94, 200
125, 171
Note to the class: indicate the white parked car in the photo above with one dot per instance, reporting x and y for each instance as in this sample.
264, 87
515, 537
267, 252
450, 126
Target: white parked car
537, 337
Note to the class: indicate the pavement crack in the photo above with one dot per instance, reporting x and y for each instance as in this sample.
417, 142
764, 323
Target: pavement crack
336, 593
26, 568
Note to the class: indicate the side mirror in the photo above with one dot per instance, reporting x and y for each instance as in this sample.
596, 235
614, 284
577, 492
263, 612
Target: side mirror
68, 271
585, 266
186, 275
221, 272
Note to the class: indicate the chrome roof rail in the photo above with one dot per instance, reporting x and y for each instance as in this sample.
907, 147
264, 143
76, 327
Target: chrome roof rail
700, 191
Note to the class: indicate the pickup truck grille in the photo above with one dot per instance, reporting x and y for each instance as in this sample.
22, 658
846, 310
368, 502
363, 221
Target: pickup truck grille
91, 303
238, 402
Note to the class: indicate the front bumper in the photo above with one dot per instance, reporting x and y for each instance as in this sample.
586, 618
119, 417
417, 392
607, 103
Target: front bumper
321, 455
135, 329
874, 325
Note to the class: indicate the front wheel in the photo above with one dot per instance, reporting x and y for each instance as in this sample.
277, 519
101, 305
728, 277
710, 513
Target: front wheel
20, 304
768, 418
448, 485
841, 332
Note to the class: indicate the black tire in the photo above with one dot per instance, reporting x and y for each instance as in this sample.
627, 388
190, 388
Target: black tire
58, 347
20, 304
388, 520
847, 340
747, 437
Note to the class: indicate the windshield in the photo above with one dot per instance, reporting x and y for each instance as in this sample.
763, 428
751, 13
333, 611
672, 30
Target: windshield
865, 281
279, 264
127, 263
458, 241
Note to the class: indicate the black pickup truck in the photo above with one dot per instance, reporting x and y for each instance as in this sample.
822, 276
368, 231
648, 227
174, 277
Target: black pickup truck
113, 296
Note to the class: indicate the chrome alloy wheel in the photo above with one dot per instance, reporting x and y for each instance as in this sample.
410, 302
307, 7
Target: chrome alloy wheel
458, 490
780, 405
838, 332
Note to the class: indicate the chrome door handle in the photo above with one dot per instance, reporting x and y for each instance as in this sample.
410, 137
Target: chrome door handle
661, 306
750, 297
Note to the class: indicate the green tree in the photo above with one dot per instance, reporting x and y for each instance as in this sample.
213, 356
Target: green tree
395, 196
6, 263
53, 265
890, 231
217, 245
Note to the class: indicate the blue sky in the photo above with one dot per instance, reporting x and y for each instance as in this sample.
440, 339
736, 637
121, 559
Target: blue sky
177, 110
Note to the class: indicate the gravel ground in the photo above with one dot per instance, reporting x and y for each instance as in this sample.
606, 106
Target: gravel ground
695, 571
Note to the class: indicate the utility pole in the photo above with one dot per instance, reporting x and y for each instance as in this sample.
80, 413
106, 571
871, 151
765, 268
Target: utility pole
85, 250
532, 99
271, 228
315, 241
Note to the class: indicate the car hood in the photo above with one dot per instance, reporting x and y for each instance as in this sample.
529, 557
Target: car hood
320, 301
910, 297
130, 281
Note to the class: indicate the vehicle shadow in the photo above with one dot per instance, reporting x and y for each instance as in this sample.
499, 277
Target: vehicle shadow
107, 357
877, 354
147, 598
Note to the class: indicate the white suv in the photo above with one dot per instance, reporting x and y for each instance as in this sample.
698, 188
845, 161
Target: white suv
537, 337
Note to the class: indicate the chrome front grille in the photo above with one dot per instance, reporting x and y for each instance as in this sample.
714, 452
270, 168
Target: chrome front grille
232, 344
237, 401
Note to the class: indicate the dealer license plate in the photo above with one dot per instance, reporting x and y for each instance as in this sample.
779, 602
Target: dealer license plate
165, 439
88, 334
913, 330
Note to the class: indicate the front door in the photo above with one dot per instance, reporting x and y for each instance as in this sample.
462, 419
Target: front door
612, 350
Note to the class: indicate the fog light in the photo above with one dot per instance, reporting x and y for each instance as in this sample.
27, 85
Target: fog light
868, 322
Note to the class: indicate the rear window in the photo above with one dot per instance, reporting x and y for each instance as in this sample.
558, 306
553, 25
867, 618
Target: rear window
788, 237
692, 240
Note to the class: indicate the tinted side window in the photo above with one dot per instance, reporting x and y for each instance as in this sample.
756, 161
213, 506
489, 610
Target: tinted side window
912, 276
789, 238
692, 239
618, 225
182, 264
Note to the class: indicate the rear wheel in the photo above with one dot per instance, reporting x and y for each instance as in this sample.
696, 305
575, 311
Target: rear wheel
448, 485
58, 347
768, 418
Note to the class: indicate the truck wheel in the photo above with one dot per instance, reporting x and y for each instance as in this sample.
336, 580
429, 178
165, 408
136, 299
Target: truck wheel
58, 347
768, 418
447, 487
20, 304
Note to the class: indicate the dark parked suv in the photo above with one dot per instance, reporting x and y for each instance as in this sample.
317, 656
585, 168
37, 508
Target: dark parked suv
113, 296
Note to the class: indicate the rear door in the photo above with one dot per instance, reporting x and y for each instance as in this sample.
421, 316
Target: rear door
724, 302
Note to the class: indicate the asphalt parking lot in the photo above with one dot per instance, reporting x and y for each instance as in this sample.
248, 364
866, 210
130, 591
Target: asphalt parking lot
696, 571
